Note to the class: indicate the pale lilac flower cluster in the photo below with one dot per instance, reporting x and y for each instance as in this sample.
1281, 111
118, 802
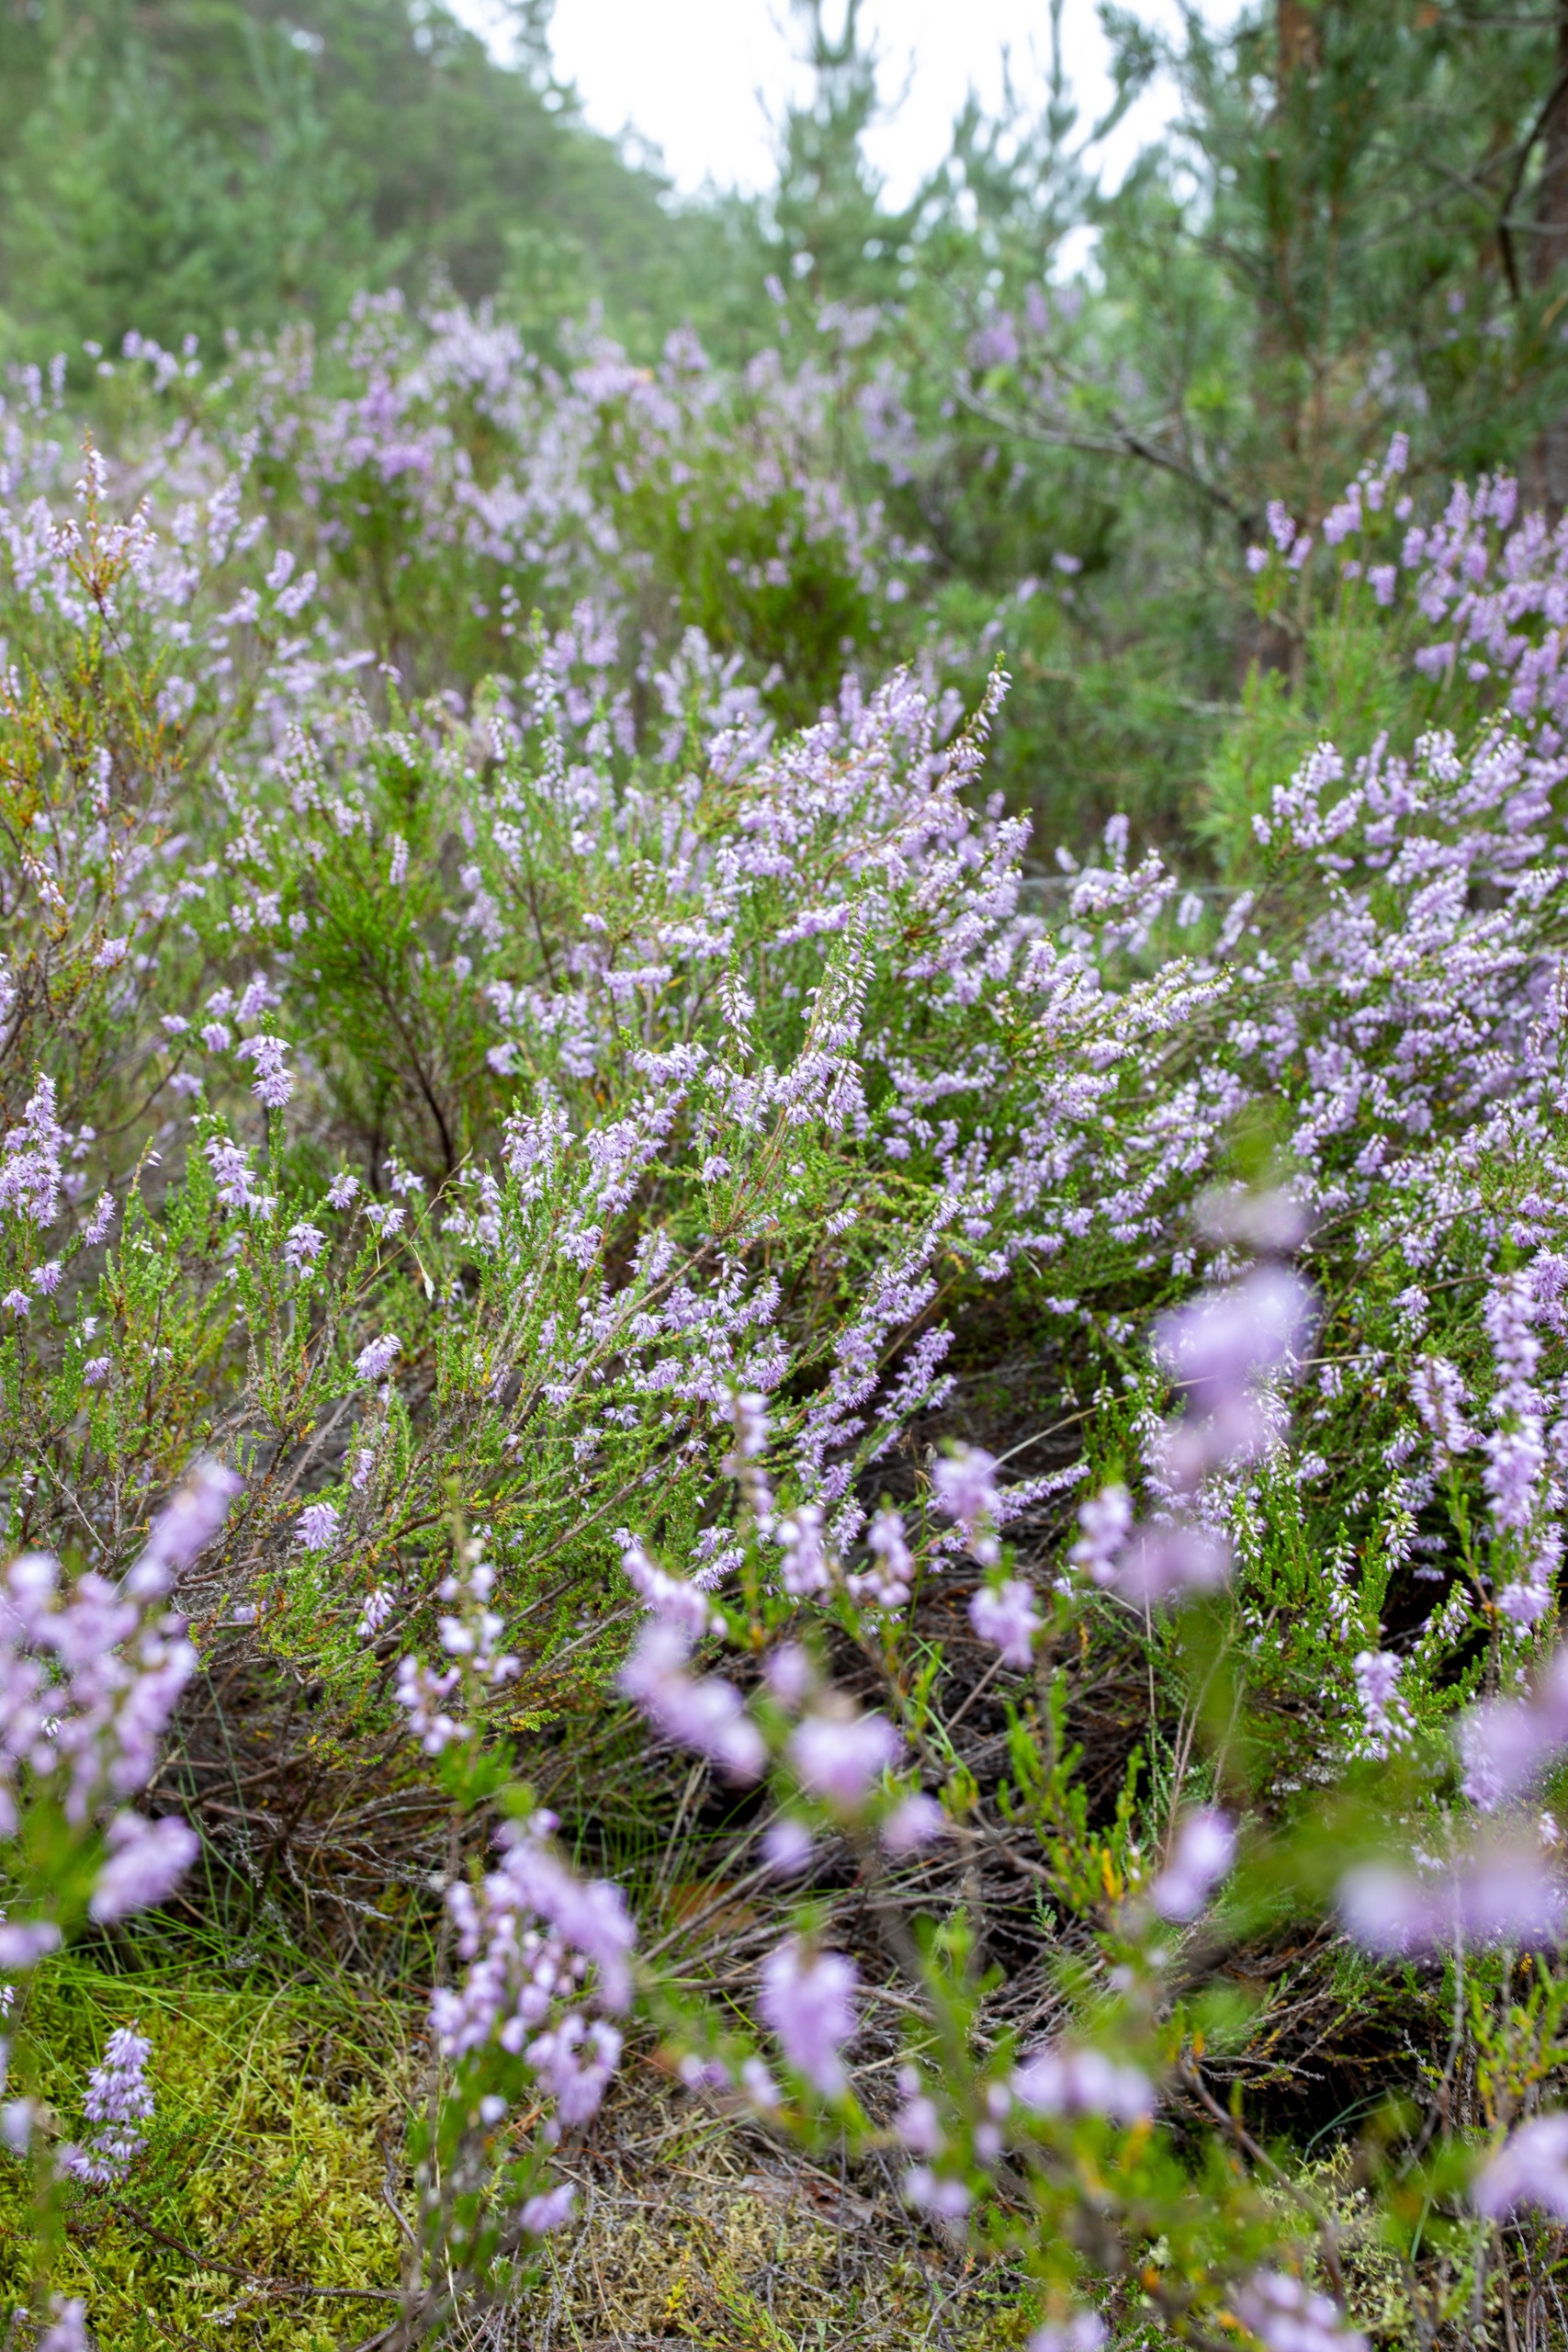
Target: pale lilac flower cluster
470, 1632
1005, 1616
886, 1586
964, 1485
1287, 2316
1085, 2332
704, 1712
543, 1950
1506, 1744
807, 2003
1385, 1718
1065, 2079
839, 1758
1498, 1892
317, 1528
88, 1681
1530, 2168
1227, 1349
119, 2100
1201, 1856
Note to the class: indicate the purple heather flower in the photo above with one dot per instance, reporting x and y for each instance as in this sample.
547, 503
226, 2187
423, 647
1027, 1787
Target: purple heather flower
1287, 2316
95, 1370
1064, 2080
1515, 1459
759, 2085
807, 2002
1377, 1686
1497, 1895
839, 1761
1222, 1340
1005, 1616
917, 2126
375, 1609
318, 1527
786, 1847
24, 1942
147, 1862
274, 1084
966, 1489
1268, 1221
191, 1519
67, 2329
1165, 1562
340, 1191
670, 1598
931, 2193
1510, 1318
1105, 1521
1530, 2168
1085, 2332
303, 1247
375, 1362
914, 1821
231, 1173
704, 1714
805, 1558
549, 2210
575, 2062
1202, 1856
421, 1691
119, 2102
1439, 1397
790, 1676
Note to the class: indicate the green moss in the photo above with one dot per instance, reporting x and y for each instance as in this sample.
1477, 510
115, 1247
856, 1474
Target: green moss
279, 2109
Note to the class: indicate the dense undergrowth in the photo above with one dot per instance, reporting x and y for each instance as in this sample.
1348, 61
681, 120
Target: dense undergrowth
959, 1444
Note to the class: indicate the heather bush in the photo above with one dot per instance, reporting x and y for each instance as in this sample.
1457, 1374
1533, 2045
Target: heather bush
901, 1481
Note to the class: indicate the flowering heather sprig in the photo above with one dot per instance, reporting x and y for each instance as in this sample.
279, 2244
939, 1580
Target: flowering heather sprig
1287, 2316
703, 1713
1530, 2168
1085, 2332
273, 1085
1499, 1892
1438, 1395
1221, 1349
807, 2002
1005, 1617
1064, 2080
840, 1758
317, 1529
88, 1681
119, 2100
963, 1483
375, 1361
1386, 1717
1199, 1858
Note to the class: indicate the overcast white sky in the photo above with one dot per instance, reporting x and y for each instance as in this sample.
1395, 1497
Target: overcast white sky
694, 77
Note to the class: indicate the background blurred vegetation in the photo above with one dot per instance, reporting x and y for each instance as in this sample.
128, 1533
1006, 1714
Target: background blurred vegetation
1356, 223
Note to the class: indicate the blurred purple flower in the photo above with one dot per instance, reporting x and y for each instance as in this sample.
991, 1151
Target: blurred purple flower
1007, 1619
807, 2001
147, 1862
1530, 2168
839, 1760
1202, 1856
